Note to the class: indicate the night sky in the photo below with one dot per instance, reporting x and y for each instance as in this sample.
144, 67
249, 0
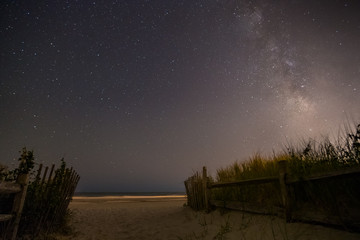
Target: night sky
136, 95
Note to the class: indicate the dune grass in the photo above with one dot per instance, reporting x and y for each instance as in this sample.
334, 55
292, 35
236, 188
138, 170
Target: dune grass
310, 157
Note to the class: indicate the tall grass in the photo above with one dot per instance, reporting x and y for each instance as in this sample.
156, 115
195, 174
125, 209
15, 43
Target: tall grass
256, 167
310, 157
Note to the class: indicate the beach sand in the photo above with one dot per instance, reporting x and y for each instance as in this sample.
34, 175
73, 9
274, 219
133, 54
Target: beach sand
166, 218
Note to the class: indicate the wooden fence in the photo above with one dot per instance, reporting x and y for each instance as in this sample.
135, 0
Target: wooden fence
48, 198
11, 218
200, 193
39, 205
197, 191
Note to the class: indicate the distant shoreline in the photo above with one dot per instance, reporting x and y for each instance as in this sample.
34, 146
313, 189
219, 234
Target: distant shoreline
110, 197
128, 194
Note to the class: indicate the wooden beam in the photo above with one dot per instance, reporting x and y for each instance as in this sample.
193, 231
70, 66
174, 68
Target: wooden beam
9, 187
5, 217
245, 182
19, 201
315, 177
247, 207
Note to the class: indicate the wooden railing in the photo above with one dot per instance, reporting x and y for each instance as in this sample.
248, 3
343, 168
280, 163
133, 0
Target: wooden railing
199, 192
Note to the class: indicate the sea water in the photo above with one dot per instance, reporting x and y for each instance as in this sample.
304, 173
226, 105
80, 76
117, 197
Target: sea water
128, 194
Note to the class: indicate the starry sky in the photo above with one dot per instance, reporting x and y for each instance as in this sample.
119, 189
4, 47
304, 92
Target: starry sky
138, 94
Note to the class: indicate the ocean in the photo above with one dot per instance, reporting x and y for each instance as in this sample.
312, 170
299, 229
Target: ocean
103, 194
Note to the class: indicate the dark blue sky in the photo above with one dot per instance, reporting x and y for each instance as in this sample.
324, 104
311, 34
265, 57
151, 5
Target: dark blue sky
136, 95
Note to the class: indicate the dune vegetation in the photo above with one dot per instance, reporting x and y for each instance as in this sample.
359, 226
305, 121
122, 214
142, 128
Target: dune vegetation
310, 157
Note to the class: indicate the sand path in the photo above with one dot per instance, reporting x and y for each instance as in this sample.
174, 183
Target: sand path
166, 218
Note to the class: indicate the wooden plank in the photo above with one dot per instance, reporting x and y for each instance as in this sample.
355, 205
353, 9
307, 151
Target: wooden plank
247, 207
19, 201
51, 172
38, 173
334, 174
244, 182
204, 183
9, 187
187, 192
44, 177
5, 217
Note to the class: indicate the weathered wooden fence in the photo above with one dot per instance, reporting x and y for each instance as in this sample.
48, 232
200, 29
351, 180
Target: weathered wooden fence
197, 191
200, 192
38, 205
48, 198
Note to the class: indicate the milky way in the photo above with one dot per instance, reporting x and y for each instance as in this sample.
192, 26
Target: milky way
136, 95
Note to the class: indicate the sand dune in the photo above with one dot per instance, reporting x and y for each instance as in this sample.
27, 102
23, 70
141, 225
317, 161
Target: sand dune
166, 218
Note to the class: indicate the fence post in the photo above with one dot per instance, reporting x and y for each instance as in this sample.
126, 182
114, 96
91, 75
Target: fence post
205, 188
19, 202
284, 189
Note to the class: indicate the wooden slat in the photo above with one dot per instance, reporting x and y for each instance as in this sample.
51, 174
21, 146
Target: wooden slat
340, 173
247, 207
19, 201
39, 172
5, 217
9, 187
244, 182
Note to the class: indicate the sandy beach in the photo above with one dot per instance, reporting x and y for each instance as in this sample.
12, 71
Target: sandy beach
167, 218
